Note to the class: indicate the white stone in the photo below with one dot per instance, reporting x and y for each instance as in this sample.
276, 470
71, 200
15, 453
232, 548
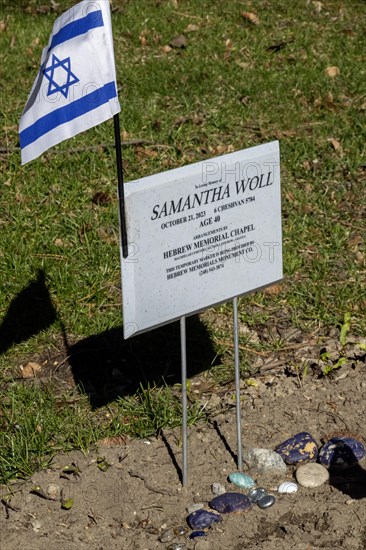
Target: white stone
288, 487
311, 475
53, 491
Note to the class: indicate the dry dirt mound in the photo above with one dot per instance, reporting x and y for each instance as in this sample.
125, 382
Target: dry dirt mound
131, 503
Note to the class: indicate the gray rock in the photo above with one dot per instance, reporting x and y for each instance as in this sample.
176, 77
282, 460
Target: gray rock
264, 460
218, 489
167, 536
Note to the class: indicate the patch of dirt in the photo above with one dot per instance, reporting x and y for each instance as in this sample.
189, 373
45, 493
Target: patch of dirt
136, 499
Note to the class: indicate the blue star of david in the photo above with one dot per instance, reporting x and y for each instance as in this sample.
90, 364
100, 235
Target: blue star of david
60, 67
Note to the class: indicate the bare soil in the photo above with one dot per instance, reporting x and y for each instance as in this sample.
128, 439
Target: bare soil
140, 496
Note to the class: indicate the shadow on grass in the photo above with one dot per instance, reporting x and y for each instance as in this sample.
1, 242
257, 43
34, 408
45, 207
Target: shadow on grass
106, 366
30, 312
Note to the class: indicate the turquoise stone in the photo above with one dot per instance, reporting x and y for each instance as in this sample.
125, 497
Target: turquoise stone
242, 480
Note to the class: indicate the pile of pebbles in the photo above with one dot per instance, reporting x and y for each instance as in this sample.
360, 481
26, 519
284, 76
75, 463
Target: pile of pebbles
312, 462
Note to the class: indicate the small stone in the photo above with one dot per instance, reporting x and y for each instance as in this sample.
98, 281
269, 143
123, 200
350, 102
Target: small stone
196, 534
311, 475
180, 531
53, 491
230, 502
202, 518
218, 489
341, 452
288, 487
194, 507
302, 447
264, 460
36, 524
266, 501
177, 546
241, 480
256, 494
167, 536
179, 42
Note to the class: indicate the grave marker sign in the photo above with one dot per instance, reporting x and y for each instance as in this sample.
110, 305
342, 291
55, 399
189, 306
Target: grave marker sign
200, 235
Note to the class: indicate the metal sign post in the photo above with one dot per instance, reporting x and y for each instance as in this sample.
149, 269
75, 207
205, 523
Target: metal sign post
237, 383
183, 348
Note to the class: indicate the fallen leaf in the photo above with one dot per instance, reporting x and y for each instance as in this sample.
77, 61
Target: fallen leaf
335, 144
59, 242
30, 370
166, 49
2, 26
101, 198
67, 504
73, 469
332, 72
360, 258
174, 4
179, 42
195, 118
44, 9
102, 464
317, 7
143, 40
243, 65
355, 240
273, 290
191, 28
249, 16
115, 441
222, 149
107, 235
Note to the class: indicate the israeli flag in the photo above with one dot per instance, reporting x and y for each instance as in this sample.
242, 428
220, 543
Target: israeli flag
75, 88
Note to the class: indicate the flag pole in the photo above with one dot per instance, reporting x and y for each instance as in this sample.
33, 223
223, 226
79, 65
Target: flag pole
121, 192
183, 349
237, 383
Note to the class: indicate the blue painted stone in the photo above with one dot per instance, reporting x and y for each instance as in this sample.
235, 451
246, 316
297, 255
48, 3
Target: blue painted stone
242, 480
302, 447
341, 452
197, 534
200, 519
230, 502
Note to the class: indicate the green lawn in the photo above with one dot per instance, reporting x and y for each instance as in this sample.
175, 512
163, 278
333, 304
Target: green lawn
295, 73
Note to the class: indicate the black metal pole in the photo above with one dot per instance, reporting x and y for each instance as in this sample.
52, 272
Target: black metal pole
121, 193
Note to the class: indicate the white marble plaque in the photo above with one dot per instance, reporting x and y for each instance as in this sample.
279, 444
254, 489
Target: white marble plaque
200, 235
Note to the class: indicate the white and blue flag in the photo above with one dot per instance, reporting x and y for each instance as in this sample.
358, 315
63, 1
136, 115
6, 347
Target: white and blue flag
75, 88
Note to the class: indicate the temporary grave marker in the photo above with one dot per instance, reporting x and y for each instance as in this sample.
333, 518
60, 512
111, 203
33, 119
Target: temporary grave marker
201, 235
198, 236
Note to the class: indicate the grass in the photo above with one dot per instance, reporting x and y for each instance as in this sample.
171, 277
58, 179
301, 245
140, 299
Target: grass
36, 424
236, 84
